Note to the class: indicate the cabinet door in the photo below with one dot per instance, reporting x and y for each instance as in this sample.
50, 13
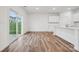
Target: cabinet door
53, 18
76, 17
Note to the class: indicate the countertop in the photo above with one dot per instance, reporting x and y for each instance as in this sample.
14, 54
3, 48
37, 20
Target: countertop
75, 28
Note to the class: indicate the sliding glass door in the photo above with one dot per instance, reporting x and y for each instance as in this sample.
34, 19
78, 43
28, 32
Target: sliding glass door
12, 22
15, 24
19, 25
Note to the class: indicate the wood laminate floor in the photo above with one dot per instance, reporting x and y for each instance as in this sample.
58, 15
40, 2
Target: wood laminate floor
40, 42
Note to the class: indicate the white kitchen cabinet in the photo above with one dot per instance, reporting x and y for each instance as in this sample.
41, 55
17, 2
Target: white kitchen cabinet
76, 16
52, 22
53, 18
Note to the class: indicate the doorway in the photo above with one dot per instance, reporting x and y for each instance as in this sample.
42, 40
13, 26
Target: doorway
15, 25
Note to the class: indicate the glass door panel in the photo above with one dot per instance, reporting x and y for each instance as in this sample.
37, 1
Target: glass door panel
19, 24
15, 25
12, 25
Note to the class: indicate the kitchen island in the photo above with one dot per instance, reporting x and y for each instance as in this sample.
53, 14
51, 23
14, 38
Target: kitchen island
70, 34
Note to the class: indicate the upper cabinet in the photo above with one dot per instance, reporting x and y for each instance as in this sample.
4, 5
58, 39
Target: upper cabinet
76, 16
54, 19
66, 18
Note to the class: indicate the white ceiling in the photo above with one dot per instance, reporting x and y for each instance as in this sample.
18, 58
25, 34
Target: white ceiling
49, 9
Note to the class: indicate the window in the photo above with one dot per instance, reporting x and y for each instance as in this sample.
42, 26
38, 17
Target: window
15, 24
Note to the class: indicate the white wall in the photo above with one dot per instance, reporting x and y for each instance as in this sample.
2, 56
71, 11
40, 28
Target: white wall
3, 27
38, 22
4, 24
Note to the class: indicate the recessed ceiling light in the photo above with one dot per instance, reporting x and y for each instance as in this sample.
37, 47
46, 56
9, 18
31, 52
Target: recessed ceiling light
37, 8
53, 8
